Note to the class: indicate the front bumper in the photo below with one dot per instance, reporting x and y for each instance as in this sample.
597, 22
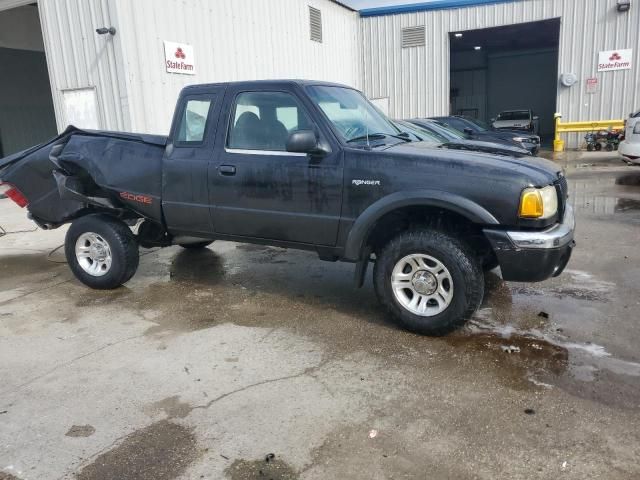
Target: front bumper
533, 256
629, 152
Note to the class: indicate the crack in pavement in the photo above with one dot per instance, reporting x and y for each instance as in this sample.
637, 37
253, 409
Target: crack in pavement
5, 302
70, 362
306, 372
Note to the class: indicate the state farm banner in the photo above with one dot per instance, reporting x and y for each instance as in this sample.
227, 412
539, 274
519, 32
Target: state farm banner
615, 60
179, 58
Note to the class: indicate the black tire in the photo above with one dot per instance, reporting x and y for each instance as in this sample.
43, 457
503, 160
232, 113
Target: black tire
122, 245
598, 147
465, 270
589, 148
196, 246
608, 147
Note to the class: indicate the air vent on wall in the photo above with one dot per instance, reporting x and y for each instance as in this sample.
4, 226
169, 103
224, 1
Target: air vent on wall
413, 37
315, 24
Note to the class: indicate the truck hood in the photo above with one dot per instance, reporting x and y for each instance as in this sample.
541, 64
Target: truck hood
538, 171
486, 147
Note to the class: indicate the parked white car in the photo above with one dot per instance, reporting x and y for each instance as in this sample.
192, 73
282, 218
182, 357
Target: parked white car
516, 120
629, 148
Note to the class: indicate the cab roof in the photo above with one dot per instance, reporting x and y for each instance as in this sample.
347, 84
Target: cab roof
202, 87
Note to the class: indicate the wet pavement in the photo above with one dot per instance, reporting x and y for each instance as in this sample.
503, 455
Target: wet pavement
245, 362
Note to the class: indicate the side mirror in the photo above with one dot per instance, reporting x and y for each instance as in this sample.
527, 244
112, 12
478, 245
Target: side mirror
536, 117
468, 131
302, 141
493, 120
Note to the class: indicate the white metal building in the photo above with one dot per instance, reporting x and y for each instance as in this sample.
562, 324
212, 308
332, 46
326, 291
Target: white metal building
415, 61
440, 72
120, 81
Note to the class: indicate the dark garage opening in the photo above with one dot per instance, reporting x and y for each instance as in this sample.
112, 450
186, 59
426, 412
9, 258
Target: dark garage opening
514, 67
26, 106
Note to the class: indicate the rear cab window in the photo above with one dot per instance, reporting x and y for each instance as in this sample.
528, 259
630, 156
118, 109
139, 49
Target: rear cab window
194, 121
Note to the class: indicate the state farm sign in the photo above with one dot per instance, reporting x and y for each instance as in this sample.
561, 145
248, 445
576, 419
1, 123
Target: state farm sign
179, 58
615, 60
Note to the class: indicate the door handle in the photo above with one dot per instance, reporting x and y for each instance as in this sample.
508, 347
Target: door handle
227, 170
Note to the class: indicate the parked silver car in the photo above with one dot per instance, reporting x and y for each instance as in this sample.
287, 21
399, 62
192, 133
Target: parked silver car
516, 120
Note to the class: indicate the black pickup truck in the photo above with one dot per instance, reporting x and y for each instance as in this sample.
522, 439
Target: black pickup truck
306, 165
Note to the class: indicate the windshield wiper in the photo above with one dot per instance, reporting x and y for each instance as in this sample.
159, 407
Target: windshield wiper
378, 136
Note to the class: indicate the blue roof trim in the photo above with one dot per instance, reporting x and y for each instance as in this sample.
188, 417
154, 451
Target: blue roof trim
425, 6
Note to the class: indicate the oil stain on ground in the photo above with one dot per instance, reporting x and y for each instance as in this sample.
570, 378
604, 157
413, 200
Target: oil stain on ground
7, 476
81, 431
171, 406
269, 468
161, 451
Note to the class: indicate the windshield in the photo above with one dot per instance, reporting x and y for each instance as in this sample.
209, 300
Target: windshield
351, 113
515, 115
479, 124
424, 135
448, 133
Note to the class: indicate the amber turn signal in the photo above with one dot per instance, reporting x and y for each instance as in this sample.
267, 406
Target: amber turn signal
531, 204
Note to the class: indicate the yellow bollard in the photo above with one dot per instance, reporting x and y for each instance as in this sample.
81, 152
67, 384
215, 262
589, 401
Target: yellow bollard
558, 143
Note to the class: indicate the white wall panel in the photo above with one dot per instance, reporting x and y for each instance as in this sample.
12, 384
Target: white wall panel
232, 40
77, 57
417, 81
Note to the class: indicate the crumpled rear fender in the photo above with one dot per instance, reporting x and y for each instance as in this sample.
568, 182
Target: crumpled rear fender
80, 170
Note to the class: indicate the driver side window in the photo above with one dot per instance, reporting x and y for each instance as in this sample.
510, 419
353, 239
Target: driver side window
264, 121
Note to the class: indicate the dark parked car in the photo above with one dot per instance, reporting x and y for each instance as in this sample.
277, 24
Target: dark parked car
479, 130
456, 139
306, 165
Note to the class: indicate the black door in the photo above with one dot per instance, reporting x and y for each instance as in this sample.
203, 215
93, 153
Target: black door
258, 188
185, 192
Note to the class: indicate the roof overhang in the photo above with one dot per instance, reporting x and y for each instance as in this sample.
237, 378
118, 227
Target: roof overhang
426, 6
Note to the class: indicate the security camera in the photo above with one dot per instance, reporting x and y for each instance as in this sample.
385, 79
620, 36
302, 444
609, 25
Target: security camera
624, 5
105, 30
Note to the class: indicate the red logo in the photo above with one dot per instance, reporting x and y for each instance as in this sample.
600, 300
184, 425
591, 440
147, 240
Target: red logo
132, 197
614, 57
180, 54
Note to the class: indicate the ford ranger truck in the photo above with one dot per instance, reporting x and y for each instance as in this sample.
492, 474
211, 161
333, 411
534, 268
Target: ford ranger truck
305, 165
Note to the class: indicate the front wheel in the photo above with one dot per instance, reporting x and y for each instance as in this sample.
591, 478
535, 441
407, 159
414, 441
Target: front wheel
429, 281
101, 251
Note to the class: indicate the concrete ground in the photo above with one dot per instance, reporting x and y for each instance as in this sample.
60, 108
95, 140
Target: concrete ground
244, 362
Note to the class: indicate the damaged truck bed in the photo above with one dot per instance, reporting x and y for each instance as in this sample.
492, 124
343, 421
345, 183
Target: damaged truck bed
81, 170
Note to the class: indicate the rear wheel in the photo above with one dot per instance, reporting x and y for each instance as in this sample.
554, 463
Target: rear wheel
429, 281
101, 251
196, 246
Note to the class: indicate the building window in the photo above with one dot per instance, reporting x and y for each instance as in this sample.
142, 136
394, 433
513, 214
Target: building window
413, 37
315, 24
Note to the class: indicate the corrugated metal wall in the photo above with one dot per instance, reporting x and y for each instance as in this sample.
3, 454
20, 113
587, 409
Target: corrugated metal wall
416, 80
79, 58
232, 40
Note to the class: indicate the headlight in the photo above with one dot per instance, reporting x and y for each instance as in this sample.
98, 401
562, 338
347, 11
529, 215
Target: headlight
539, 202
521, 139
